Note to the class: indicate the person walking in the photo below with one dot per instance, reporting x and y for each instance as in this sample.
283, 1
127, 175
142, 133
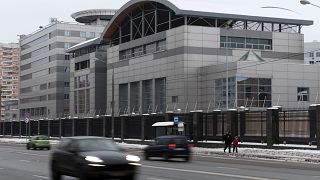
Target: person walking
227, 141
235, 144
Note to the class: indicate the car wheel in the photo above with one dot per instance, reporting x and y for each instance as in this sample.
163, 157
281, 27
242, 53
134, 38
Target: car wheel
166, 156
28, 147
48, 148
146, 156
55, 174
41, 148
187, 159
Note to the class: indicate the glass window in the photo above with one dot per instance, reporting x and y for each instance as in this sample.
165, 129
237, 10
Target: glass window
311, 54
137, 51
67, 33
150, 48
317, 54
302, 94
161, 45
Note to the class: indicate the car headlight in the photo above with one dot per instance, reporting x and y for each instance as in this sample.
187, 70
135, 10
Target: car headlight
132, 158
93, 159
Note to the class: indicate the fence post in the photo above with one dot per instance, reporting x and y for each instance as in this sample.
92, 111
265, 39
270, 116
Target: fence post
143, 119
19, 128
242, 124
123, 127
215, 122
232, 121
272, 126
197, 123
73, 127
312, 122
87, 127
60, 127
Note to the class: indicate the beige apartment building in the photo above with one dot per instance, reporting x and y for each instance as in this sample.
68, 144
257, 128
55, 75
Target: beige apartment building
9, 77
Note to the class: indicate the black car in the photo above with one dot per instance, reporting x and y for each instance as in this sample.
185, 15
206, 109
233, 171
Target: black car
169, 147
92, 157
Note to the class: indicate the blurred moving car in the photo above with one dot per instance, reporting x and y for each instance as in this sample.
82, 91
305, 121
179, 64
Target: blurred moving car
90, 157
172, 146
40, 141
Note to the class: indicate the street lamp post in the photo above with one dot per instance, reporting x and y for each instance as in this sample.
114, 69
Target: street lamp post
306, 2
112, 105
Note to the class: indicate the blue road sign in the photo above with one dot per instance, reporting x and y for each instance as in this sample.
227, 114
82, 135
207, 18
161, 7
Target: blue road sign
175, 120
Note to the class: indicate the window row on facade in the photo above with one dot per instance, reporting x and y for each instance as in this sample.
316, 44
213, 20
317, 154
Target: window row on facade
66, 33
244, 42
81, 81
44, 86
82, 101
151, 18
142, 50
151, 99
38, 111
48, 97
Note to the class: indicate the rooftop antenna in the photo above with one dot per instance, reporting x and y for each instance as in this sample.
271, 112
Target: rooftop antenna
186, 107
278, 100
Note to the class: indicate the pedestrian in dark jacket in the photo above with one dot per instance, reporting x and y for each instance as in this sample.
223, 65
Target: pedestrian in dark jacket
227, 141
235, 144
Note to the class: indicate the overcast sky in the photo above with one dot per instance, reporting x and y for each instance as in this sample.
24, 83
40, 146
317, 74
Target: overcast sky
25, 16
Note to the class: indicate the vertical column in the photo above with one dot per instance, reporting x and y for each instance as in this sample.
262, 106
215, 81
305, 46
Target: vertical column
197, 122
272, 126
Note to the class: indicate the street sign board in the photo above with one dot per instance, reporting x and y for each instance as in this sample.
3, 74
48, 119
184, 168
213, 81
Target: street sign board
175, 120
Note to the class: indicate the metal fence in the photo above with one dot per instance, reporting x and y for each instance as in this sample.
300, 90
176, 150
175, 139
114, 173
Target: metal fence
294, 126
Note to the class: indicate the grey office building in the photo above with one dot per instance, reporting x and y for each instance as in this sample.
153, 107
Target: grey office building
165, 58
45, 66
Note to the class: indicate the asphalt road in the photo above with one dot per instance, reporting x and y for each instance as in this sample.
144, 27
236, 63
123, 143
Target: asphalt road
17, 163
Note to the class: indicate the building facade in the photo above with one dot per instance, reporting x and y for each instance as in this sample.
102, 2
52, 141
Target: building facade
312, 52
45, 65
9, 68
163, 58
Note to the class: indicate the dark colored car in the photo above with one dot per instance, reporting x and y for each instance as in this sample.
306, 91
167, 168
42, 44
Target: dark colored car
40, 141
169, 147
90, 158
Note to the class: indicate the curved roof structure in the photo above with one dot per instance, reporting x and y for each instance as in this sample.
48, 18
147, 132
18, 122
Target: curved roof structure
91, 15
210, 9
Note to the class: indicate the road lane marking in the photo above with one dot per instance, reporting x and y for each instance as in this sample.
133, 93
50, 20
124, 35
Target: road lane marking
43, 177
32, 154
209, 173
22, 160
151, 178
228, 168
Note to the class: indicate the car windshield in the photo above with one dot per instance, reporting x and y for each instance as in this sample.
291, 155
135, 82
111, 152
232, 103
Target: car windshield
43, 138
97, 145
